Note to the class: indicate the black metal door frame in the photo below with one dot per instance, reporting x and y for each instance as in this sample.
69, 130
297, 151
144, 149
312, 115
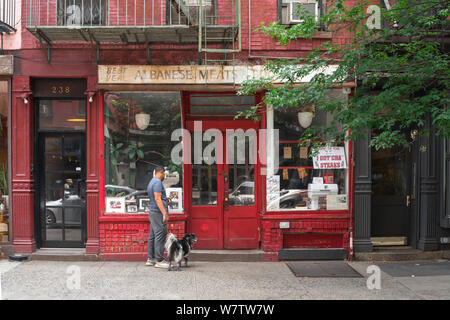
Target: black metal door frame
41, 194
38, 170
412, 182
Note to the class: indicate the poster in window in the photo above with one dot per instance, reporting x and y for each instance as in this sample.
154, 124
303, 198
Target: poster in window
176, 199
337, 202
115, 204
287, 152
132, 209
330, 158
303, 152
273, 192
144, 204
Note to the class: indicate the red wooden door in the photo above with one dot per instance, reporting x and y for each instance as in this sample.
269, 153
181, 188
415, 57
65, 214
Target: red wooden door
223, 194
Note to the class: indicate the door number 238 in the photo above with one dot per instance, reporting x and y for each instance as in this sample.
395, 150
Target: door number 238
60, 90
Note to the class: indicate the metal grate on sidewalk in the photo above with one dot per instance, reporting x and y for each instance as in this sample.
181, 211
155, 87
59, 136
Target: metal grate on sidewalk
322, 269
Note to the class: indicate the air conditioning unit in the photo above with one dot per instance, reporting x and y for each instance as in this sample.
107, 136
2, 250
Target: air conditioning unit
311, 7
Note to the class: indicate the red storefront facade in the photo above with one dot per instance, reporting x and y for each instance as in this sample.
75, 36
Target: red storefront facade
219, 224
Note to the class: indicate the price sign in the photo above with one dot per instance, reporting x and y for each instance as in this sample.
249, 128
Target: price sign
330, 158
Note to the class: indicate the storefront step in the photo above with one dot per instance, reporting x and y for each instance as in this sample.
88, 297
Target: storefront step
227, 255
312, 254
63, 254
401, 254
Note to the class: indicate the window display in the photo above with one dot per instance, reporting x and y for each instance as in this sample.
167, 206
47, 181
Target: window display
301, 180
138, 129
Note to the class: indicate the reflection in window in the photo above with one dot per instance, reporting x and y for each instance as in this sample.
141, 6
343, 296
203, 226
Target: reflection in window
241, 175
138, 129
204, 181
62, 114
389, 171
204, 185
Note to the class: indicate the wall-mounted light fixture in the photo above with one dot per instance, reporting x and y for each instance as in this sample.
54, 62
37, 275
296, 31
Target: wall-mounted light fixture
26, 97
90, 95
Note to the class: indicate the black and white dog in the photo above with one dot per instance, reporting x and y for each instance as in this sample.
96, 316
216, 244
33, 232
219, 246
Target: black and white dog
179, 249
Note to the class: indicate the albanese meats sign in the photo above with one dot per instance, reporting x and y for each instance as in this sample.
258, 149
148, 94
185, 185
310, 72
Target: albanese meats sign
185, 74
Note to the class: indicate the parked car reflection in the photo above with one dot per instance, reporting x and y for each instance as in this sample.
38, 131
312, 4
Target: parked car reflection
118, 191
72, 211
289, 199
243, 195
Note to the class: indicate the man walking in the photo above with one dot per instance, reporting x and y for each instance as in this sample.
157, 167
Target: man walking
159, 216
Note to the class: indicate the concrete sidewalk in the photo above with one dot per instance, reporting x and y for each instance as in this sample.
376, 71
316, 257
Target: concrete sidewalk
205, 280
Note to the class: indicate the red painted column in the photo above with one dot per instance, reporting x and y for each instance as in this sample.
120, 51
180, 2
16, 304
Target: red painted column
22, 158
92, 170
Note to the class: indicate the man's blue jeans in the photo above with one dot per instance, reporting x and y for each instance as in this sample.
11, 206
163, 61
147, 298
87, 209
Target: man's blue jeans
157, 237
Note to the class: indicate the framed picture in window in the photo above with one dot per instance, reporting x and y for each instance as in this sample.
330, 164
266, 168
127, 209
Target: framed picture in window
337, 202
132, 209
144, 204
115, 204
176, 199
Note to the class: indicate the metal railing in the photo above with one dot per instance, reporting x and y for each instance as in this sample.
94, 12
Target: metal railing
85, 13
8, 13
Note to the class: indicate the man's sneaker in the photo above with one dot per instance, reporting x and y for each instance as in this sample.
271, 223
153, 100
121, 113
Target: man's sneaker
150, 262
163, 264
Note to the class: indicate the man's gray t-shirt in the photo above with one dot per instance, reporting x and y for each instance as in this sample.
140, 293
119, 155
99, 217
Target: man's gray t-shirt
155, 185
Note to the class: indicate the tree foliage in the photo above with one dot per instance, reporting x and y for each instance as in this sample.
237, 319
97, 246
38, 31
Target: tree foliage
402, 71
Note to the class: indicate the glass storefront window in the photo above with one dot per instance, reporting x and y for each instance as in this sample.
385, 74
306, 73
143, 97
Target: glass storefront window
4, 192
300, 181
138, 129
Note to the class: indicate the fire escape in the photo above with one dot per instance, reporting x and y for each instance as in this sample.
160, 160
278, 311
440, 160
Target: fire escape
215, 25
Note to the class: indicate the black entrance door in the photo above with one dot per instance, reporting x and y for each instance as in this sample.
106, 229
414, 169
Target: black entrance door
62, 191
392, 196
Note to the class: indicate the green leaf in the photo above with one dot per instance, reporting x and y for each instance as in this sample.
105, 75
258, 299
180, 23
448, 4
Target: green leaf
140, 154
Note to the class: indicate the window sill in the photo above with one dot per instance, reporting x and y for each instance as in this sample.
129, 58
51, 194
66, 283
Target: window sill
296, 214
318, 35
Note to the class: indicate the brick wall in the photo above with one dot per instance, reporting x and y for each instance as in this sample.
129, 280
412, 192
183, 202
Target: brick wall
260, 11
123, 240
328, 233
